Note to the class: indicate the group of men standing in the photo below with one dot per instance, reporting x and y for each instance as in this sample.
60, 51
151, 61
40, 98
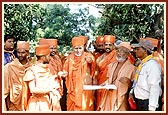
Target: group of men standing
39, 86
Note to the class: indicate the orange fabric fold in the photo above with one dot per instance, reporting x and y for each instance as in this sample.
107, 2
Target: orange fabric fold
77, 69
55, 64
13, 75
159, 58
102, 66
117, 100
96, 55
43, 79
102, 72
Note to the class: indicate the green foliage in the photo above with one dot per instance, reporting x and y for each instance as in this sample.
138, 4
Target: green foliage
19, 19
22, 21
63, 25
126, 21
130, 21
33, 21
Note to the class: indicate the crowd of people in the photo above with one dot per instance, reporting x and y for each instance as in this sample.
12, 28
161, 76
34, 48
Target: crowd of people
49, 81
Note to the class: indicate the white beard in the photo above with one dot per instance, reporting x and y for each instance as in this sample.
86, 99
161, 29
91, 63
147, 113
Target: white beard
120, 59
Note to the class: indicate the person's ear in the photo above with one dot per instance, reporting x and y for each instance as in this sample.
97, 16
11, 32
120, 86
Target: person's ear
28, 53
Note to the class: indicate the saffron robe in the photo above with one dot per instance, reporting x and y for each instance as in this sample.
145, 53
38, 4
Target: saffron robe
41, 76
116, 99
79, 73
102, 62
13, 76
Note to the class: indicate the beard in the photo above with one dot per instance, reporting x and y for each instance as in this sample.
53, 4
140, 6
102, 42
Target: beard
52, 53
108, 50
120, 59
101, 51
21, 58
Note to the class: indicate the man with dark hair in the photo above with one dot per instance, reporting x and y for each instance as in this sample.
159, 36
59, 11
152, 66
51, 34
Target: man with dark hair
8, 49
13, 75
99, 47
147, 84
102, 62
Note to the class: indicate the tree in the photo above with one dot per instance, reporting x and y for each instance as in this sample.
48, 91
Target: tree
60, 23
131, 21
22, 21
19, 19
33, 21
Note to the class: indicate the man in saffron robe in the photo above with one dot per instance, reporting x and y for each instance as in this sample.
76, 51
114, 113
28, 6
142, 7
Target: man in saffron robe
103, 61
121, 74
13, 75
55, 64
40, 84
79, 65
99, 47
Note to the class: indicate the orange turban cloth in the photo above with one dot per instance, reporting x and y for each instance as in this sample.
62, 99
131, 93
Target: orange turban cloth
78, 41
109, 38
126, 45
84, 38
42, 50
99, 39
50, 42
42, 41
23, 45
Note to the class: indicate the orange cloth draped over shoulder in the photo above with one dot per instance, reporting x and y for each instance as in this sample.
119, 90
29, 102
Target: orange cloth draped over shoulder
79, 73
102, 62
106, 60
116, 100
77, 69
102, 66
13, 74
96, 55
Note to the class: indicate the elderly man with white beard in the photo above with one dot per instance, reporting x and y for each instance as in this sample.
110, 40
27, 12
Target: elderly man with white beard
121, 74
